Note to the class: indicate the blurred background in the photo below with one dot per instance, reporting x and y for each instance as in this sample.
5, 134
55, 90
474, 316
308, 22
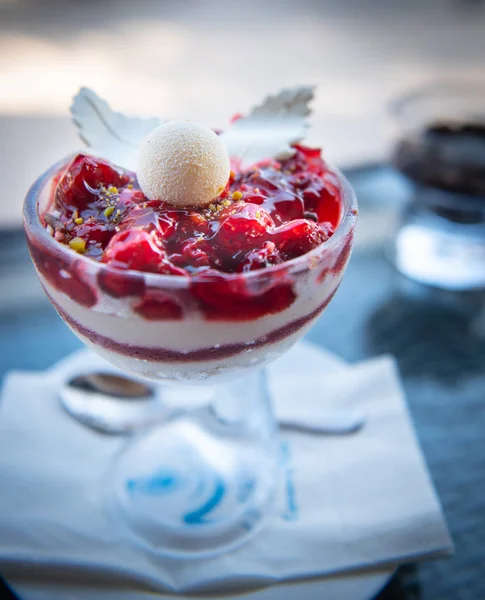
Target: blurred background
207, 59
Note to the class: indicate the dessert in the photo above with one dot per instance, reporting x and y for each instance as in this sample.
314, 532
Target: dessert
447, 155
190, 287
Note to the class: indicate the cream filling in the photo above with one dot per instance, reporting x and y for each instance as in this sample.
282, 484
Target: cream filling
200, 371
191, 333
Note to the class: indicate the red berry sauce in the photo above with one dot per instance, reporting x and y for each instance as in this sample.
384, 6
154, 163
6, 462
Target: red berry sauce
265, 216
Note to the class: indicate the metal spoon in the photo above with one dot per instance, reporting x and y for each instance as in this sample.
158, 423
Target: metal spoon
118, 405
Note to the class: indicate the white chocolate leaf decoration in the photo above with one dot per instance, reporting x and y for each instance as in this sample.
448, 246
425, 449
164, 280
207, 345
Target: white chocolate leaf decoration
270, 128
268, 131
109, 134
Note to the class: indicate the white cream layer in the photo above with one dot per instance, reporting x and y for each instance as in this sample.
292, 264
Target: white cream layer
191, 333
200, 371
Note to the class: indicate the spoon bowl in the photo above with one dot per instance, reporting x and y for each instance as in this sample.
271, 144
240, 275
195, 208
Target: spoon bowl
118, 405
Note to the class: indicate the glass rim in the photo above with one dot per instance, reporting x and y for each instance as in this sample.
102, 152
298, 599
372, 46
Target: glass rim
37, 231
463, 86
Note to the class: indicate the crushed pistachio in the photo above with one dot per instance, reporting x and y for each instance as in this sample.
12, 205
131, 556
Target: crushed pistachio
258, 214
226, 203
54, 222
112, 189
237, 195
212, 207
79, 221
219, 190
78, 245
109, 211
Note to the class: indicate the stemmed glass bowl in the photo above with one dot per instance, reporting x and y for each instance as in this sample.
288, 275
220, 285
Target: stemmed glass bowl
200, 483
439, 146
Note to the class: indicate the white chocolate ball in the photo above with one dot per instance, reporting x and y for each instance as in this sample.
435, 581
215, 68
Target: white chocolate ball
182, 163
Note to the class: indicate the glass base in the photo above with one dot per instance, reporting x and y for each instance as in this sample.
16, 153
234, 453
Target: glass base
201, 483
438, 252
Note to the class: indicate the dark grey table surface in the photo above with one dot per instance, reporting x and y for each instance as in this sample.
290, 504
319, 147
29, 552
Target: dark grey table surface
438, 340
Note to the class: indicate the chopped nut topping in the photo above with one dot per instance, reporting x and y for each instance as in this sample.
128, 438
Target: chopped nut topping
54, 222
78, 245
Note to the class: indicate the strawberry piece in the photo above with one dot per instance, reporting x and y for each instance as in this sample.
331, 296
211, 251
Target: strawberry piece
322, 199
195, 253
298, 237
241, 224
254, 198
306, 159
135, 249
261, 257
119, 284
64, 275
150, 216
158, 308
80, 184
223, 299
93, 232
166, 267
287, 207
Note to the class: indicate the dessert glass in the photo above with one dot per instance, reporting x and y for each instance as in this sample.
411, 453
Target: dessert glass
439, 145
204, 481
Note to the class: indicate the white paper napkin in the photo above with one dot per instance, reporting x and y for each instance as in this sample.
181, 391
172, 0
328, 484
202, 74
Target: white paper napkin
344, 503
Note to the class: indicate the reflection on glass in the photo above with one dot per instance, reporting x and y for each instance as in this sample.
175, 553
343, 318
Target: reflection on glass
441, 149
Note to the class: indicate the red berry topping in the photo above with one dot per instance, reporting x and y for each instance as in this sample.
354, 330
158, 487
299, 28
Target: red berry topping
93, 232
273, 212
135, 249
266, 256
149, 216
287, 206
298, 237
158, 308
241, 225
119, 284
322, 200
233, 300
83, 179
194, 253
65, 276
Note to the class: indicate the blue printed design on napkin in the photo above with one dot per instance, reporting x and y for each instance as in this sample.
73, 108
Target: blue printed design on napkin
291, 513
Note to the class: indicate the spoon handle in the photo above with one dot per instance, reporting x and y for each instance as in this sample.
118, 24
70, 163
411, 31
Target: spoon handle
330, 422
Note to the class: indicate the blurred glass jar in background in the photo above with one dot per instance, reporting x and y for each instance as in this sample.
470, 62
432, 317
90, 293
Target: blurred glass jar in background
440, 148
